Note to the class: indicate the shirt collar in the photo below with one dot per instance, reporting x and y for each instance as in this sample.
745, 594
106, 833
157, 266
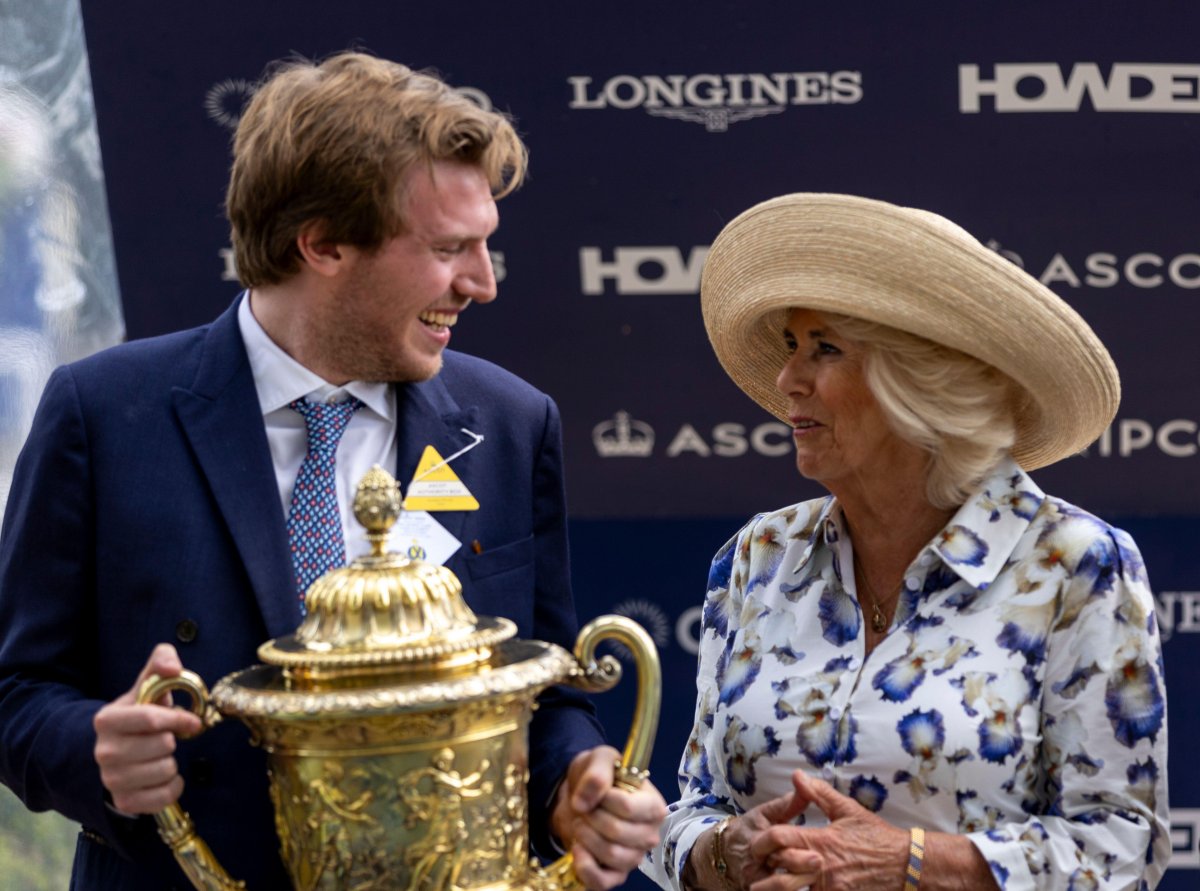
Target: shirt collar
979, 539
280, 380
827, 527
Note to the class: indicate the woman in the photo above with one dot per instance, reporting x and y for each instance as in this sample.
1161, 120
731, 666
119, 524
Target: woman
939, 677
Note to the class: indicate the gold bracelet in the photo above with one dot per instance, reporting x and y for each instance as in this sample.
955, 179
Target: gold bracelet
720, 867
916, 858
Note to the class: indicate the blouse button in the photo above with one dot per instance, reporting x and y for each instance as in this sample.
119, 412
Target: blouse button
835, 714
912, 583
827, 772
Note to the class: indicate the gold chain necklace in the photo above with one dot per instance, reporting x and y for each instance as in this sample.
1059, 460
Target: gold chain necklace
879, 621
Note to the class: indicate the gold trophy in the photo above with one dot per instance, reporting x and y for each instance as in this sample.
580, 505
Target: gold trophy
396, 727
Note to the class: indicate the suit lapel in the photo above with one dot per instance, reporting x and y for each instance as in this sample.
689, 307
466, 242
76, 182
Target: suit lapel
429, 415
222, 418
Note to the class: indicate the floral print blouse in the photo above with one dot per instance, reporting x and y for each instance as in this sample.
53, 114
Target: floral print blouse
1018, 697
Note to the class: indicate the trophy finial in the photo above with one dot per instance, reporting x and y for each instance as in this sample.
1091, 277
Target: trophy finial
383, 613
377, 506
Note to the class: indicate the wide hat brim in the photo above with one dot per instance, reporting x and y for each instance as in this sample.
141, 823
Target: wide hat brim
920, 273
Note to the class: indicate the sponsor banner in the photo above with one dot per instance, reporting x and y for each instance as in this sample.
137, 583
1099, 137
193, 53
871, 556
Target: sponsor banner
644, 142
641, 270
226, 100
1178, 612
1047, 86
1102, 269
624, 437
716, 100
1185, 838
644, 464
666, 269
1125, 437
229, 266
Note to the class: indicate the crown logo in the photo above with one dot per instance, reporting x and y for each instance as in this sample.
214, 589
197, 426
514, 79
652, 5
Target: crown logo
998, 248
623, 437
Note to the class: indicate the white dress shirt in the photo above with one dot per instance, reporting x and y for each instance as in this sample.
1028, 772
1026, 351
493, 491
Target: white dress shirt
369, 438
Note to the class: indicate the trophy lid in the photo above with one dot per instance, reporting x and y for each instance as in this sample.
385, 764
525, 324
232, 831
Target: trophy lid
384, 612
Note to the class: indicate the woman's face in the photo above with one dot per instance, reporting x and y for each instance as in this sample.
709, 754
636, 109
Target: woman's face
842, 436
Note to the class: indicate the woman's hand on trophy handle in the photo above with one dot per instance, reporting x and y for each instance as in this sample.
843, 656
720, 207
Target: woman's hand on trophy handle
608, 828
135, 744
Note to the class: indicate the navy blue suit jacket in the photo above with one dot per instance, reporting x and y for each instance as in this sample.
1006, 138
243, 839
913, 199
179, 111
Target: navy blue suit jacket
144, 508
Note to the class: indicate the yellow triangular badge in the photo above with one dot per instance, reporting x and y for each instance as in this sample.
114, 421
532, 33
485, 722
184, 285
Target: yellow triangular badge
436, 487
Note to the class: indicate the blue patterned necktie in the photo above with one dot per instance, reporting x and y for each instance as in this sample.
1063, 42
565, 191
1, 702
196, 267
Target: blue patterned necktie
314, 523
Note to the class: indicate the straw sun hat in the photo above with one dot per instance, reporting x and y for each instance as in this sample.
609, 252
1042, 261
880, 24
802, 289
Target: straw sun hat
912, 270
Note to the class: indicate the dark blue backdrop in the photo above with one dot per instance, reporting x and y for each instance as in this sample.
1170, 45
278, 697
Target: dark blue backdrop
1062, 133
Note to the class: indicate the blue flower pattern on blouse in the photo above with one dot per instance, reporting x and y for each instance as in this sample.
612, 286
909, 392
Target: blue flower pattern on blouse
1018, 697
868, 792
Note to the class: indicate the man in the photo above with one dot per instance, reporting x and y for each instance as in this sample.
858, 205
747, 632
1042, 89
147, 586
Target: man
151, 501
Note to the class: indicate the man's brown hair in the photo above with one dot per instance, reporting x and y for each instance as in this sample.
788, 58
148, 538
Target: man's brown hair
332, 141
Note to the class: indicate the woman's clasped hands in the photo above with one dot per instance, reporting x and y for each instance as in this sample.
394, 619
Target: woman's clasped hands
766, 851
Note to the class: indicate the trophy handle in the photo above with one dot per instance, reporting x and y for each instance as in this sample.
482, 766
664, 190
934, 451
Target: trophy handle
174, 825
597, 676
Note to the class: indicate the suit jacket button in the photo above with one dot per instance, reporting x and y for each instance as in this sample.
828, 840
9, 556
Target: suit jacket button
186, 631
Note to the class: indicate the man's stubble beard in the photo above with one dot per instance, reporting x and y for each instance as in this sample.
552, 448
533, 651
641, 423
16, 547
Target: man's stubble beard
359, 351
362, 357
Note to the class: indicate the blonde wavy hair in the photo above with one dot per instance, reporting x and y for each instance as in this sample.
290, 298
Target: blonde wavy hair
960, 410
332, 142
